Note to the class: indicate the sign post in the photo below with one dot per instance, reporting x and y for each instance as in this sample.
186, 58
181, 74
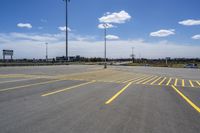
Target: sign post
8, 53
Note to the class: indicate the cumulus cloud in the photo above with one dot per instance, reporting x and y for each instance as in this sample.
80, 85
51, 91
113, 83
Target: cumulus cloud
196, 37
190, 22
101, 26
112, 37
163, 33
116, 17
63, 28
24, 25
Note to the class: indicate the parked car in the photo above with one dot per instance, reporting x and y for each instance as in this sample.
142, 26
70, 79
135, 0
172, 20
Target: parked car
191, 66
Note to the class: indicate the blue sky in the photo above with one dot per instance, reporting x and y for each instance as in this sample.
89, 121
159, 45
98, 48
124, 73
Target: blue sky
144, 22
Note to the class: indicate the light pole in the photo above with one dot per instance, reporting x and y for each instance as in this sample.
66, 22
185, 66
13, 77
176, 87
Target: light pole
46, 51
105, 39
66, 1
132, 54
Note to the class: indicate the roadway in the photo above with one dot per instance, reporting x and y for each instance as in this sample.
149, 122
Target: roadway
89, 99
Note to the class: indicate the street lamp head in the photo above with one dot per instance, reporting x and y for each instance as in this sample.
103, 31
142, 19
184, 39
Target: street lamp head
105, 25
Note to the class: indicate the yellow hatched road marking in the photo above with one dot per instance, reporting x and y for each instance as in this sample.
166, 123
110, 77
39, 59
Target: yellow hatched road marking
156, 80
118, 93
150, 80
17, 87
175, 82
128, 80
69, 88
198, 83
144, 79
191, 84
187, 99
140, 78
170, 79
183, 82
162, 81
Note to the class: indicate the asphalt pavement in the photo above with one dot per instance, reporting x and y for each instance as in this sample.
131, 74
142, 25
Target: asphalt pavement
89, 99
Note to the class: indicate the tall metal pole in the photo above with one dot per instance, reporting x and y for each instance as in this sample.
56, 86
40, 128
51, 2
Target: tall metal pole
66, 1
133, 54
46, 51
105, 34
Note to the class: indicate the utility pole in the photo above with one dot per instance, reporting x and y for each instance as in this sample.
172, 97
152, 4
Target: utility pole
132, 55
166, 60
46, 51
66, 1
105, 40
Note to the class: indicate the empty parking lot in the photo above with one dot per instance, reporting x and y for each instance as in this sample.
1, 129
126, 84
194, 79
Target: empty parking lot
89, 99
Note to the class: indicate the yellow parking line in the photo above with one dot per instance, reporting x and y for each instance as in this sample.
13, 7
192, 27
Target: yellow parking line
162, 81
183, 82
150, 80
120, 80
17, 80
17, 87
191, 84
144, 79
175, 82
78, 73
16, 76
170, 79
198, 83
111, 82
118, 93
187, 99
155, 80
69, 88
9, 76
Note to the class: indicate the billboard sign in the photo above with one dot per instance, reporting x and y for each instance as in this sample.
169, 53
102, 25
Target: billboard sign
8, 52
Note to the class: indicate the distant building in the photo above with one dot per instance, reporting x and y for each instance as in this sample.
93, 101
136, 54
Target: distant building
75, 58
71, 58
62, 58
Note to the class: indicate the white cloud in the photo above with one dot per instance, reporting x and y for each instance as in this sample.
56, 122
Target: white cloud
116, 17
35, 37
101, 26
75, 37
4, 38
107, 13
196, 37
25, 46
190, 22
63, 28
24, 25
163, 33
112, 37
